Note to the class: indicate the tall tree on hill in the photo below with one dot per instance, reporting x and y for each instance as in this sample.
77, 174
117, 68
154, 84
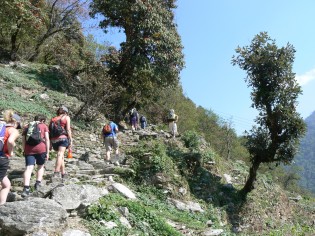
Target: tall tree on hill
151, 56
274, 95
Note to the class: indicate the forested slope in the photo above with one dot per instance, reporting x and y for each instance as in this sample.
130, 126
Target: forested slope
306, 157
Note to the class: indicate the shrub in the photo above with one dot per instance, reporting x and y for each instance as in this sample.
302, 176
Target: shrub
191, 140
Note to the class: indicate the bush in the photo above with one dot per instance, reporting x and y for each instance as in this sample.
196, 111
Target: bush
191, 140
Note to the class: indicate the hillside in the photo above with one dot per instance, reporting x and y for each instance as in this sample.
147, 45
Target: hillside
306, 157
181, 186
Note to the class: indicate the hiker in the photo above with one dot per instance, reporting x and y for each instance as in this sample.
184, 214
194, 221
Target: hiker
110, 140
172, 119
61, 138
143, 122
134, 117
10, 126
36, 146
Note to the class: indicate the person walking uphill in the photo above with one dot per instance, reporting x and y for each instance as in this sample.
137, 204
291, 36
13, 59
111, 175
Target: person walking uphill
36, 146
109, 133
143, 122
134, 118
172, 119
8, 135
61, 138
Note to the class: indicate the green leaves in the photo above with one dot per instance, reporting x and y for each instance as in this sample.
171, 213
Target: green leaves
152, 53
274, 95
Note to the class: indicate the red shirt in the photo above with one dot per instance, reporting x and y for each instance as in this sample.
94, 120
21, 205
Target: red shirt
39, 148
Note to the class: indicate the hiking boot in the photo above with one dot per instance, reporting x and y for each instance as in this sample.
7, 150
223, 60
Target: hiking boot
64, 176
56, 174
37, 186
26, 192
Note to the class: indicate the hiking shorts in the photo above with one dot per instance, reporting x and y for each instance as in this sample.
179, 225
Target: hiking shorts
111, 142
63, 142
32, 159
173, 127
4, 166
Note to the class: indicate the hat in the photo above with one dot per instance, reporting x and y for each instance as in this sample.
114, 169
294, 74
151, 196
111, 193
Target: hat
65, 109
17, 118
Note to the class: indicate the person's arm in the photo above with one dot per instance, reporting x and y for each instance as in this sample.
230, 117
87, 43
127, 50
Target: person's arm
176, 118
68, 128
47, 142
24, 138
116, 129
14, 134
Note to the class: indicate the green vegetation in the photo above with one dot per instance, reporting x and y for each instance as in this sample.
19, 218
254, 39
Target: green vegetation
305, 159
275, 93
148, 214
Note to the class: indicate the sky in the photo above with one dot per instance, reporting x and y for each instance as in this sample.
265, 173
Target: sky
211, 30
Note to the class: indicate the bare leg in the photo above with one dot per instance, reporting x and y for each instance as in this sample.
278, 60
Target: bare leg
60, 164
27, 175
6, 185
108, 155
40, 172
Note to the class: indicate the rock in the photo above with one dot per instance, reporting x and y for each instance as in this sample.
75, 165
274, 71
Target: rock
296, 199
123, 190
189, 206
182, 190
44, 96
227, 178
31, 215
123, 220
74, 196
213, 232
74, 232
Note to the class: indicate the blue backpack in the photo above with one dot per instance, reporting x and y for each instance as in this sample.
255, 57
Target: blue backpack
2, 134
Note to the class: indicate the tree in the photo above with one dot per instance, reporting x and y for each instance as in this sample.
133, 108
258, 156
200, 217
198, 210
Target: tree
151, 56
61, 16
274, 95
20, 20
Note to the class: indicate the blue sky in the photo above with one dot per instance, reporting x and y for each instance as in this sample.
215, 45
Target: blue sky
211, 31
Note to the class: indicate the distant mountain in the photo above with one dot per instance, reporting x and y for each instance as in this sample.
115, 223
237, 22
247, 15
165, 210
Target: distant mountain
306, 156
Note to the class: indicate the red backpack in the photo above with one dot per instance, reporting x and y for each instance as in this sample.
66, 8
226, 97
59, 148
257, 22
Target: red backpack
107, 129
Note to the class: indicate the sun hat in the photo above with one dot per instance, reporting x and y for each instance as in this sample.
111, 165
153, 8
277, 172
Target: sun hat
64, 108
17, 118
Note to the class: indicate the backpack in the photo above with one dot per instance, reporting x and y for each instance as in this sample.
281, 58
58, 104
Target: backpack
143, 119
2, 134
131, 112
33, 135
107, 129
55, 128
171, 116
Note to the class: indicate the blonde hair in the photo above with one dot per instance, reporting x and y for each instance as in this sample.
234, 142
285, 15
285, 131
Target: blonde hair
8, 116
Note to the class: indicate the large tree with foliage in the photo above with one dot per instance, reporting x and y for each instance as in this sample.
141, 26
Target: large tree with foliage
60, 17
274, 95
20, 20
151, 56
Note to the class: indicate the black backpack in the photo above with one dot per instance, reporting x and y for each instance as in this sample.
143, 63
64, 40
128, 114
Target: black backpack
33, 135
143, 119
55, 128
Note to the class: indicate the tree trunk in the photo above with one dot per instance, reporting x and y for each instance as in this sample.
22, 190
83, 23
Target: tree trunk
14, 46
249, 185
